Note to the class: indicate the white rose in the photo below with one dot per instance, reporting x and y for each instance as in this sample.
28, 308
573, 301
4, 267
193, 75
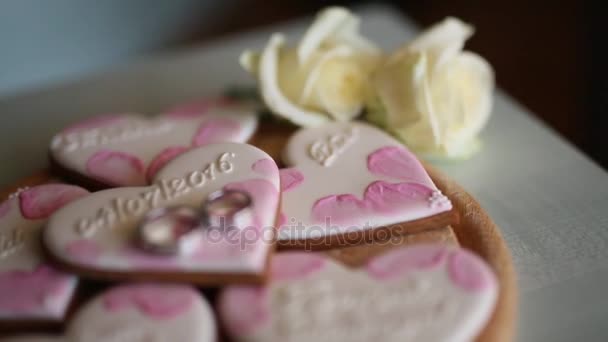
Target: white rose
326, 76
432, 95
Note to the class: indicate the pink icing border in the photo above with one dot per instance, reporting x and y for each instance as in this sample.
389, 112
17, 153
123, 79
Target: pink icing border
266, 167
265, 198
465, 269
244, 309
162, 159
402, 261
379, 198
156, 301
5, 207
95, 166
398, 162
41, 201
470, 272
290, 266
217, 130
291, 178
30, 292
221, 246
282, 220
84, 250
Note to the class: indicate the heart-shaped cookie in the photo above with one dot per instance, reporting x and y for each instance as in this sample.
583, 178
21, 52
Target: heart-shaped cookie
417, 293
140, 313
30, 289
349, 183
95, 236
128, 149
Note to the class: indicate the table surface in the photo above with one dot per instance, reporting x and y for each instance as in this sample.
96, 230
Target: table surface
550, 200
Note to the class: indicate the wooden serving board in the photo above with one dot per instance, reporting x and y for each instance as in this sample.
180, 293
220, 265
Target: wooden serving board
475, 231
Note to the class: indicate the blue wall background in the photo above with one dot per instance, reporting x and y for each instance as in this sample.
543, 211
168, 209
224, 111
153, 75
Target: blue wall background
43, 41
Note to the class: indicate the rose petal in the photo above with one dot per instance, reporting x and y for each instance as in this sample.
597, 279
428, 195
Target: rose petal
335, 25
443, 40
272, 94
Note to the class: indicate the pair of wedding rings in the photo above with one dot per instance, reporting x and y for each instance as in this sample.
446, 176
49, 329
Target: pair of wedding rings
176, 230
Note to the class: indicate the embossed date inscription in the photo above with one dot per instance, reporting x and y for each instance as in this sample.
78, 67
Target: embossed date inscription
164, 191
325, 151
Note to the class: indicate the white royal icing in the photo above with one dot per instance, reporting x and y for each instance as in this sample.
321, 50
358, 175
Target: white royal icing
350, 177
97, 232
127, 149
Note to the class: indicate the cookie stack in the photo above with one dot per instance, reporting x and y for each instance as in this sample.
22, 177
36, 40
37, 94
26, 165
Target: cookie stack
329, 233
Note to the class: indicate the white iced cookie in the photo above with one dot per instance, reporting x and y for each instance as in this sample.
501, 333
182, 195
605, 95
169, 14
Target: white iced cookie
417, 293
145, 312
348, 178
30, 289
140, 313
97, 235
128, 149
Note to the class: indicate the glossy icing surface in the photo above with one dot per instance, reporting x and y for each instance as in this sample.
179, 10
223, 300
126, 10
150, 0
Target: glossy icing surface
128, 149
352, 176
29, 287
143, 312
417, 293
97, 231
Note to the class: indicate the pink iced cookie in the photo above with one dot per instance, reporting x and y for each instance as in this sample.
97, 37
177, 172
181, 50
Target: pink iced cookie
129, 149
29, 288
351, 177
417, 293
96, 235
138, 313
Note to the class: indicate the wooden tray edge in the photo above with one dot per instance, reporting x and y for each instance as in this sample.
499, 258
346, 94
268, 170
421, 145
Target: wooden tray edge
477, 231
